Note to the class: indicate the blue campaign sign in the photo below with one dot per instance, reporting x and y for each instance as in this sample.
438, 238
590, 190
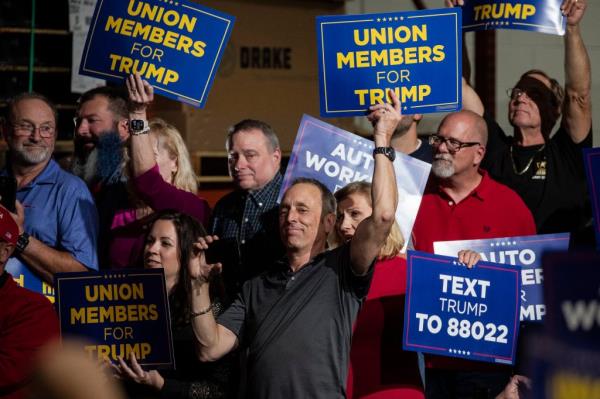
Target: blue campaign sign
175, 45
564, 360
336, 157
525, 251
591, 159
532, 15
120, 312
572, 290
417, 54
458, 312
561, 371
28, 279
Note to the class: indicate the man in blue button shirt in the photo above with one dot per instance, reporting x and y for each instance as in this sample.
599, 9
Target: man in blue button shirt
58, 222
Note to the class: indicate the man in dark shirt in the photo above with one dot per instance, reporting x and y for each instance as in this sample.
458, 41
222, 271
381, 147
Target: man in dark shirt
547, 170
294, 321
246, 219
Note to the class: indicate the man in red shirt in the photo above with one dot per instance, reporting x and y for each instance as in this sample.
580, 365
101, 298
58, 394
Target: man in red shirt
27, 320
461, 202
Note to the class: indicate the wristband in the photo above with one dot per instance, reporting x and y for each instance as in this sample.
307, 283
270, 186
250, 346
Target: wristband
201, 312
22, 242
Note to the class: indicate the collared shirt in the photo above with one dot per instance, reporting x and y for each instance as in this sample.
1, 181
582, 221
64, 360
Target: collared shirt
60, 212
297, 326
490, 210
247, 223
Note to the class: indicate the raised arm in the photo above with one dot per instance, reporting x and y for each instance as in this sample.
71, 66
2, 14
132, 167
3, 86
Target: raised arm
213, 341
577, 106
141, 95
372, 232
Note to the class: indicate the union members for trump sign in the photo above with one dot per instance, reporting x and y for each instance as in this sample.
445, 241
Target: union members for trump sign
416, 54
121, 313
176, 45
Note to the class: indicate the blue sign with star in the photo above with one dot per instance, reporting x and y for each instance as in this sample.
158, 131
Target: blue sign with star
120, 313
176, 45
458, 312
416, 54
532, 15
524, 251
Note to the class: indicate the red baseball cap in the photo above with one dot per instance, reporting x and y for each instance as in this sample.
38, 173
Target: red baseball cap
9, 231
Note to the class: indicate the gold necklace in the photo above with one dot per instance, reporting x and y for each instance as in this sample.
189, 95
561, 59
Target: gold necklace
514, 165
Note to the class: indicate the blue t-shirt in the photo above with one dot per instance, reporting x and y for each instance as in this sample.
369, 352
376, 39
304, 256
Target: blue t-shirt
60, 212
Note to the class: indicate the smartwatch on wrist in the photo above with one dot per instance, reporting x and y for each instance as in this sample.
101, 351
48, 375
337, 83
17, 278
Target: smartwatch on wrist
387, 151
138, 126
22, 242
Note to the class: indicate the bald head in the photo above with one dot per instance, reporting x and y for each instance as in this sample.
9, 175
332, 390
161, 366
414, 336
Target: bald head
469, 125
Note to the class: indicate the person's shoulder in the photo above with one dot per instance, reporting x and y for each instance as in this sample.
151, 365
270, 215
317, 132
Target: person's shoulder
23, 299
229, 198
71, 182
501, 192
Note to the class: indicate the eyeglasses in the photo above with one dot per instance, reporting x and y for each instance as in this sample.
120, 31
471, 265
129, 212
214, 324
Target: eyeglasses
27, 129
453, 145
515, 93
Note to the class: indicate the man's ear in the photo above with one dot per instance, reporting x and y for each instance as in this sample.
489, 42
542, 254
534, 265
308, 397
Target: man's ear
479, 155
329, 222
277, 155
123, 129
6, 251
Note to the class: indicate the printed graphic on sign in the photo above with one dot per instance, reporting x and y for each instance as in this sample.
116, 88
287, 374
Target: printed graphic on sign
336, 157
174, 45
416, 54
120, 313
525, 251
591, 159
458, 312
532, 15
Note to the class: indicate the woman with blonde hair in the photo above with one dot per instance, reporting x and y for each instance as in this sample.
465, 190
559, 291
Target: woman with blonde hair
161, 177
379, 368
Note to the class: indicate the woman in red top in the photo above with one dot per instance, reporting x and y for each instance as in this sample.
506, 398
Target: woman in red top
379, 368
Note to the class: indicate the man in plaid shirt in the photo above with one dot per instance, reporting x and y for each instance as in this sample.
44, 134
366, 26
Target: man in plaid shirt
246, 220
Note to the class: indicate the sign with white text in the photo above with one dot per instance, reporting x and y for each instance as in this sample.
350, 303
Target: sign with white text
525, 251
121, 313
416, 54
336, 157
458, 312
175, 45
532, 15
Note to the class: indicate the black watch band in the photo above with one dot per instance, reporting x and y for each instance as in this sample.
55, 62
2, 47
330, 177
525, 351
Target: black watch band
387, 151
22, 242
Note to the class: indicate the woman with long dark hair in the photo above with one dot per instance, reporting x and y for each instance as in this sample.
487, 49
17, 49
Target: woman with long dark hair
170, 245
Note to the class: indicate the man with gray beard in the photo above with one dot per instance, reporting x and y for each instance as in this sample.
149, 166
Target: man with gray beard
461, 202
101, 128
57, 219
